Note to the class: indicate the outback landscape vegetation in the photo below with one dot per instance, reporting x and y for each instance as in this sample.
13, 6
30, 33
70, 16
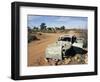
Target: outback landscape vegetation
39, 37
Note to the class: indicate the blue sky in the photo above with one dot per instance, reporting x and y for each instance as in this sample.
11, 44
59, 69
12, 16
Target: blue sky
57, 21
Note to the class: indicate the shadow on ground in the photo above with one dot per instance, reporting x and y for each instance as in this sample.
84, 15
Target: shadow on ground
75, 50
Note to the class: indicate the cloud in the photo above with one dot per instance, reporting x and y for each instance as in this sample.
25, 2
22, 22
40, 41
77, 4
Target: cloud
68, 19
63, 19
32, 17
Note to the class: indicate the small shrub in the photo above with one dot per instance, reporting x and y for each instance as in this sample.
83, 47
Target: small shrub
32, 38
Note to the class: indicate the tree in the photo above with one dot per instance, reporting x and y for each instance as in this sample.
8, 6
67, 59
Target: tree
35, 28
49, 28
43, 26
62, 27
29, 29
57, 28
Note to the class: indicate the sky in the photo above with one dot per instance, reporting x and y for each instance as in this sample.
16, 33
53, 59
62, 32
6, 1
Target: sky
57, 21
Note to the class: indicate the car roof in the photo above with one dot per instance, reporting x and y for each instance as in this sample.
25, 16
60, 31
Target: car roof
66, 35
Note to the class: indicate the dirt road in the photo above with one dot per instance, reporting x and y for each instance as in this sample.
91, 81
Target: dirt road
36, 49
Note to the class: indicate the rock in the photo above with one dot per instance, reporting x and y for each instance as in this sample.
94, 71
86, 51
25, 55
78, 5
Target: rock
67, 60
86, 59
51, 62
59, 63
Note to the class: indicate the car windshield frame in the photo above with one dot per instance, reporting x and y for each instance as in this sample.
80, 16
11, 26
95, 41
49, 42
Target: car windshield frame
65, 39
